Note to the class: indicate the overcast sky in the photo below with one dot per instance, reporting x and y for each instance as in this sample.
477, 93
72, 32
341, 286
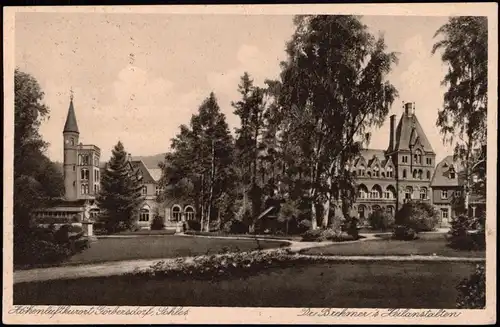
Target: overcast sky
137, 77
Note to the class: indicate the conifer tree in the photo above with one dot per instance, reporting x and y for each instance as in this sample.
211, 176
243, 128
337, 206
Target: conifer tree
120, 195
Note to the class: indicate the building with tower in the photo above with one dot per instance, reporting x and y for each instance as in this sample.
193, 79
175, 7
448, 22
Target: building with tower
82, 169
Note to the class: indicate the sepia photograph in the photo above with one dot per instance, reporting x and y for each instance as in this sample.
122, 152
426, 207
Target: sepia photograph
334, 163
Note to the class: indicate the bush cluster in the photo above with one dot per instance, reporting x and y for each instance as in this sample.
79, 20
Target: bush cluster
381, 220
461, 238
235, 226
472, 291
223, 265
158, 223
328, 234
419, 216
47, 245
193, 225
404, 233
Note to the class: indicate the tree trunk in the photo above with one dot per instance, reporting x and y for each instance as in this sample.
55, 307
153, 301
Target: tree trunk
326, 211
202, 204
211, 192
314, 222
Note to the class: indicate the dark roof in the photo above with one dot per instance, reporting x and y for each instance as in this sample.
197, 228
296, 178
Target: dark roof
71, 125
442, 173
369, 156
409, 132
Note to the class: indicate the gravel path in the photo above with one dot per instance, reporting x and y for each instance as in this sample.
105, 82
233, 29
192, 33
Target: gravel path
122, 267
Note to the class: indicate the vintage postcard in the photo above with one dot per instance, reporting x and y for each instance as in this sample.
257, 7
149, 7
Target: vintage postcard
291, 164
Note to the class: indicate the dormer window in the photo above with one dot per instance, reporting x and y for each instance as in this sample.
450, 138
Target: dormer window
452, 173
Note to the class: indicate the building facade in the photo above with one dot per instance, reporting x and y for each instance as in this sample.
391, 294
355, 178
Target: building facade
83, 169
387, 178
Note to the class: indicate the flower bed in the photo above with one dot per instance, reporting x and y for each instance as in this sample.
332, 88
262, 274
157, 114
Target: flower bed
223, 265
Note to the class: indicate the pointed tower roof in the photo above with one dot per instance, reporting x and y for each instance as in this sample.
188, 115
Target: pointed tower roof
409, 132
71, 125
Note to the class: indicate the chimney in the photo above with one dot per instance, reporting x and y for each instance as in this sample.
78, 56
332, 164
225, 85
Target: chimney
392, 133
409, 108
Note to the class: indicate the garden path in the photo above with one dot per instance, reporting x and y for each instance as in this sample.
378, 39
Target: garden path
123, 267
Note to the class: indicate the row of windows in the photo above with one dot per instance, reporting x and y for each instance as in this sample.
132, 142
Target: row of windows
158, 190
85, 189
444, 194
85, 160
375, 172
418, 174
389, 193
417, 158
362, 210
85, 174
176, 214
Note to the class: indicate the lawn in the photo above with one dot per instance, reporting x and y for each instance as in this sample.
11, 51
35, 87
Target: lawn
427, 244
353, 285
161, 246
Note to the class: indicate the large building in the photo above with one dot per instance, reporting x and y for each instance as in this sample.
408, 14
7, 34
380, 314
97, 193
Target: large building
83, 169
387, 178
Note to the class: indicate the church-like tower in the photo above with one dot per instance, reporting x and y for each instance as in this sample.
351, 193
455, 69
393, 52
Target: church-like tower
71, 141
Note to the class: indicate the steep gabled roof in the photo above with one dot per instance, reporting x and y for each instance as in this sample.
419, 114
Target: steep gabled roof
442, 173
71, 125
409, 132
372, 155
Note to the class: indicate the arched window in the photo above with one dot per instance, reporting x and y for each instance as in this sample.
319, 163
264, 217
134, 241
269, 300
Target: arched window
418, 157
408, 193
85, 188
423, 193
361, 170
176, 213
428, 175
84, 174
144, 214
420, 174
389, 171
369, 173
376, 171
362, 191
414, 173
390, 192
404, 173
376, 192
189, 212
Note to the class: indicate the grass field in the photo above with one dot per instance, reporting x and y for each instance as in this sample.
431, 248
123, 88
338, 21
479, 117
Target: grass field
353, 285
427, 244
160, 246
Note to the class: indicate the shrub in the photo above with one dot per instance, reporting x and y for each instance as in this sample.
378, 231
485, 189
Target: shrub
157, 223
235, 227
472, 291
380, 220
303, 226
329, 234
193, 225
404, 233
420, 216
459, 237
224, 265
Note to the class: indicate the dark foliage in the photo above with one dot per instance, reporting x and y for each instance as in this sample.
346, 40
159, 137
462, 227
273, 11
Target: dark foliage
472, 291
461, 237
158, 223
419, 216
381, 220
235, 227
193, 225
404, 233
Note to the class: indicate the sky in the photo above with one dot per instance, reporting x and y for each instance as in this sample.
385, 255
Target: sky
137, 77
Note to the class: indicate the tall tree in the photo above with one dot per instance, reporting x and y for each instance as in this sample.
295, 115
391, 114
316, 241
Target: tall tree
462, 120
120, 196
36, 179
334, 87
249, 148
200, 167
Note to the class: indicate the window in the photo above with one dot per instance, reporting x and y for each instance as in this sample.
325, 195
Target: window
189, 211
408, 193
361, 212
74, 168
85, 188
95, 189
404, 173
428, 175
96, 161
452, 174
369, 174
420, 174
144, 190
84, 174
389, 171
444, 194
428, 161
415, 173
376, 171
144, 215
158, 190
444, 213
418, 157
362, 191
176, 213
72, 141
404, 159
458, 193
362, 171
83, 159
423, 193
376, 192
